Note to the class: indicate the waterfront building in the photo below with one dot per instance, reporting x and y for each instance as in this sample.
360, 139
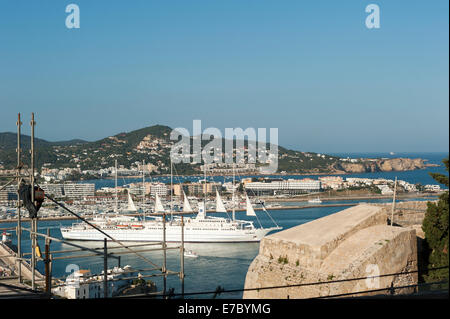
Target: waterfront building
432, 188
136, 189
333, 182
56, 190
82, 285
9, 193
385, 189
290, 186
79, 190
356, 181
70, 190
196, 189
148, 168
158, 188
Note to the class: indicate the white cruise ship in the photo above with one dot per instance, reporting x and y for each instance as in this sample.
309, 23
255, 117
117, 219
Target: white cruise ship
201, 228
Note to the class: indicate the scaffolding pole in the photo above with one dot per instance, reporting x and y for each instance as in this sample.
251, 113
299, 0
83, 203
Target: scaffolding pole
48, 258
164, 269
19, 221
182, 256
34, 220
105, 268
48, 278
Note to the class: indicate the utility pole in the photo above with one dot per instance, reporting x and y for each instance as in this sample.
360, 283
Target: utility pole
164, 269
34, 220
48, 278
19, 218
105, 269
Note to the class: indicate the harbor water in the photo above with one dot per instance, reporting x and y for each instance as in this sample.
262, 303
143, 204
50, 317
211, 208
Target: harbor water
217, 264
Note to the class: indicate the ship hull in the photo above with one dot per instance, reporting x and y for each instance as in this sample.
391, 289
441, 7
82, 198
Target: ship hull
172, 235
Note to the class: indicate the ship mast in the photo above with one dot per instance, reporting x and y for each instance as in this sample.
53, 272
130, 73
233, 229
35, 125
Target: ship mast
171, 188
115, 179
143, 188
204, 189
233, 215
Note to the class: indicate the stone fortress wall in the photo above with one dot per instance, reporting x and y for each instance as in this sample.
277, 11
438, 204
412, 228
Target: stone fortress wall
354, 243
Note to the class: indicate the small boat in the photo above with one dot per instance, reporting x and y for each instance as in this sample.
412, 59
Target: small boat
5, 237
190, 253
315, 201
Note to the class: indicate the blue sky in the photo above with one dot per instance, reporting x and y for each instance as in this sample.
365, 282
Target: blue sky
310, 68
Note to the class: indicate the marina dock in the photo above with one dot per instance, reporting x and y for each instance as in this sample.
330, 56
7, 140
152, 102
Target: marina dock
14, 220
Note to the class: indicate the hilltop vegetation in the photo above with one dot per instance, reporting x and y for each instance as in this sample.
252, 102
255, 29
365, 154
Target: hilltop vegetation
153, 144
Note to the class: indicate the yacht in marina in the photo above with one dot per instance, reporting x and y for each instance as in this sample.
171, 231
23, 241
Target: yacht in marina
315, 201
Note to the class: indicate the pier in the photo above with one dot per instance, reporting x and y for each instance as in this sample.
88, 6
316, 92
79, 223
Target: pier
183, 213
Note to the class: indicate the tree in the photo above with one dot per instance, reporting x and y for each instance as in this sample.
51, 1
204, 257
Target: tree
435, 227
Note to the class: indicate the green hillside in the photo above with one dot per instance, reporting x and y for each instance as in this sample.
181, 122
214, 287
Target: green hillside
123, 147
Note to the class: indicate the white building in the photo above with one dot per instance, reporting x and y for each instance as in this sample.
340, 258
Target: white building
432, 188
158, 188
82, 285
357, 181
333, 182
56, 190
385, 189
79, 190
290, 186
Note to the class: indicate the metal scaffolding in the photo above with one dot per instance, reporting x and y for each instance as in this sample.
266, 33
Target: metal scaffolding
28, 260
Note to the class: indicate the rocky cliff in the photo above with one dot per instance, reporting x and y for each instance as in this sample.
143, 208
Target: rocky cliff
380, 165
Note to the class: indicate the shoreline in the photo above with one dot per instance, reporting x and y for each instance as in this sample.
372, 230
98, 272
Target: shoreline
344, 198
274, 174
356, 197
44, 219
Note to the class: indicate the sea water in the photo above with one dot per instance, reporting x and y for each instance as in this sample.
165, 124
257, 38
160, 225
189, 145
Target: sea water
417, 176
218, 264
